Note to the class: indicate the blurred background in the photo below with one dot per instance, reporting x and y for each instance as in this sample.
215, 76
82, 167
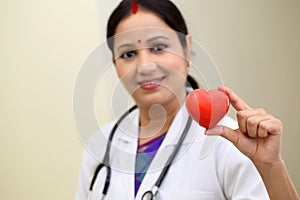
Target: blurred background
255, 44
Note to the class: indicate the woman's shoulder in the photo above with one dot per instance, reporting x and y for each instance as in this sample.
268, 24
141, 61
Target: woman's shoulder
101, 134
95, 144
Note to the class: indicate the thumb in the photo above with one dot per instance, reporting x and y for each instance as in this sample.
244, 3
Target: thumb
225, 132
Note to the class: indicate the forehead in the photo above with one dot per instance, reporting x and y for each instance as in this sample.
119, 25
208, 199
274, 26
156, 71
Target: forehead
144, 35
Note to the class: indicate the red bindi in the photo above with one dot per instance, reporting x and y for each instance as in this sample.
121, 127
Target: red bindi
134, 7
139, 41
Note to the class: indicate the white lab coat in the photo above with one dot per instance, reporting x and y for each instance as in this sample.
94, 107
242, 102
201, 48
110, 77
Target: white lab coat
206, 167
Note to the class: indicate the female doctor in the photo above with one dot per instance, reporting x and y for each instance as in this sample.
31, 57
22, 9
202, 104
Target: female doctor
156, 151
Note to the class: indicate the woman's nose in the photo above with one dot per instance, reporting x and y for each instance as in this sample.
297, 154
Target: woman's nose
146, 69
146, 64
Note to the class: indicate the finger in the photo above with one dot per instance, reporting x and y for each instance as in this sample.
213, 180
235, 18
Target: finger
234, 99
254, 129
244, 115
272, 126
263, 129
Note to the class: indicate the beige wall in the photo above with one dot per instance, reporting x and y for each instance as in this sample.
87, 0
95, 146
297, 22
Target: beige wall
255, 44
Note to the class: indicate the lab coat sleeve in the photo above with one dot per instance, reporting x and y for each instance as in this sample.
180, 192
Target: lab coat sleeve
241, 178
85, 176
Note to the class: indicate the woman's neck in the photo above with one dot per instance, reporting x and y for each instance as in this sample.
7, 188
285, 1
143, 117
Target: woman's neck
157, 119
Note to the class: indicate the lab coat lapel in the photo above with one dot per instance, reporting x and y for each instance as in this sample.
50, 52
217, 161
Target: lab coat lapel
165, 151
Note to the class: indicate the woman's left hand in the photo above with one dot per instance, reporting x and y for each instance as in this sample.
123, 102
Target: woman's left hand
259, 134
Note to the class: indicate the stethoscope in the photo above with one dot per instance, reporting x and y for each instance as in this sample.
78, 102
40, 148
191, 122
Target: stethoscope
150, 194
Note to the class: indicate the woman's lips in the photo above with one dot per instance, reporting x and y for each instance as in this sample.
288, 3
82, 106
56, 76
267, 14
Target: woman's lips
151, 84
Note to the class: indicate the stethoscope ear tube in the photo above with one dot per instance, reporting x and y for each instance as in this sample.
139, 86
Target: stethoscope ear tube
99, 167
107, 181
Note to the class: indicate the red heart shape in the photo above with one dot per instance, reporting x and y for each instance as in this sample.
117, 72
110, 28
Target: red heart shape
207, 107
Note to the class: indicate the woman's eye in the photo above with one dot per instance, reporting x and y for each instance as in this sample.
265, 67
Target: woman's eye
159, 47
128, 54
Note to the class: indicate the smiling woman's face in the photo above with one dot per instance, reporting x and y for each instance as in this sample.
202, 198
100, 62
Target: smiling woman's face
150, 59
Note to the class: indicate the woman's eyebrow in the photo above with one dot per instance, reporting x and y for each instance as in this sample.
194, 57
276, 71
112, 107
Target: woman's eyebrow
125, 45
157, 37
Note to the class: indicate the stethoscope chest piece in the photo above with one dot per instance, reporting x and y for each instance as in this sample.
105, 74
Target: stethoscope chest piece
150, 194
147, 195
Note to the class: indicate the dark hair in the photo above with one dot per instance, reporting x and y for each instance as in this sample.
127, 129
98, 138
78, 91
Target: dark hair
165, 9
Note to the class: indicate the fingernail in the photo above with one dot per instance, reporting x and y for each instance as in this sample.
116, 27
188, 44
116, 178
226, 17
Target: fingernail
217, 130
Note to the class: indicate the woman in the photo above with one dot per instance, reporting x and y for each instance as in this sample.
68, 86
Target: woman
151, 46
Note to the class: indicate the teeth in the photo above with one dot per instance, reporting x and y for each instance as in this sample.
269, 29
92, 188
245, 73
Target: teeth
149, 83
